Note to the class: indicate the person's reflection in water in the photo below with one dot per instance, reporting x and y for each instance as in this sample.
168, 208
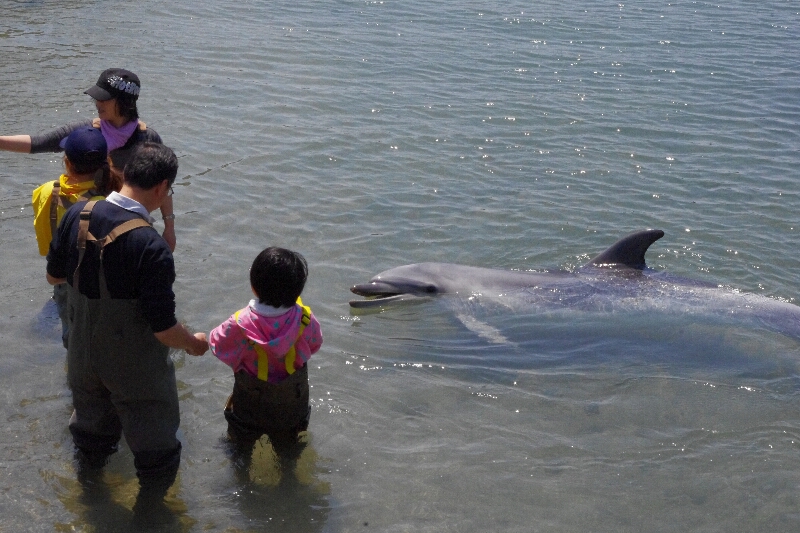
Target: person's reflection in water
95, 504
110, 502
277, 486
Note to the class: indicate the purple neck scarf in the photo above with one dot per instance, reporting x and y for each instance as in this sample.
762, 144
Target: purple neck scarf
116, 137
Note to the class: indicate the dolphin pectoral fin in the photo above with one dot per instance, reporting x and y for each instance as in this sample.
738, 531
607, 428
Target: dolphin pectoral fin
629, 251
482, 329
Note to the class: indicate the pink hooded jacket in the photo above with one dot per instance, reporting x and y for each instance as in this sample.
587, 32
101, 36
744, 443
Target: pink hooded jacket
275, 330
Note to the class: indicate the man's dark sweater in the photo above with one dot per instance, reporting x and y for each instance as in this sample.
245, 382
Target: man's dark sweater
138, 265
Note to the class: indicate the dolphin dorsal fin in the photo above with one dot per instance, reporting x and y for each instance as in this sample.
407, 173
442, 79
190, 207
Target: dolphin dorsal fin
628, 251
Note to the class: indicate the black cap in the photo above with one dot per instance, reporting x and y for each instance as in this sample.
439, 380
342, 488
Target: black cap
115, 83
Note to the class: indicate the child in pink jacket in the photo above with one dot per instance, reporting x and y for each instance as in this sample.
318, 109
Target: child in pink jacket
267, 344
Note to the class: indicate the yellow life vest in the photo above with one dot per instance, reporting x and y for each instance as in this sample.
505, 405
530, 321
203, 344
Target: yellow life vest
50, 201
291, 356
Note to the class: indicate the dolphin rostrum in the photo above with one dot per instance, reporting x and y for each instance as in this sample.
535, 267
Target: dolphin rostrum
619, 273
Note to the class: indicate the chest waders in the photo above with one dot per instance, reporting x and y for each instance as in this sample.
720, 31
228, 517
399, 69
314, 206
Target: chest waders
122, 378
279, 410
60, 291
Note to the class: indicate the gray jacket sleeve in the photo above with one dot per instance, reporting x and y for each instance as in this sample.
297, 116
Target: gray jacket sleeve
48, 142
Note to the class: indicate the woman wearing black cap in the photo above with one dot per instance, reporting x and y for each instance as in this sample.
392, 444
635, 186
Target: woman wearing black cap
115, 95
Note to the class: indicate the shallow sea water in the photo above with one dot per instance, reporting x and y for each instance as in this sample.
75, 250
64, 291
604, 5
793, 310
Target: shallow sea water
368, 135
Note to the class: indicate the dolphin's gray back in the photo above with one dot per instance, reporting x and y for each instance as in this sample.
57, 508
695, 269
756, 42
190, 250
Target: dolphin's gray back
452, 278
628, 251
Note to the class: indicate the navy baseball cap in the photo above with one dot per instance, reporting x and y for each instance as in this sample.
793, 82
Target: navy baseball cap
115, 83
85, 146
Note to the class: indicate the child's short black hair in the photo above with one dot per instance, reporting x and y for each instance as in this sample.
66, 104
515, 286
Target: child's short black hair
278, 276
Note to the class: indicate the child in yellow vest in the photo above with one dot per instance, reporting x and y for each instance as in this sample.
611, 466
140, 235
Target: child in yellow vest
267, 344
86, 176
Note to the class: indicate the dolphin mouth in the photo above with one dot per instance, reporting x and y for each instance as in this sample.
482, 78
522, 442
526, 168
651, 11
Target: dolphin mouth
376, 289
379, 302
378, 294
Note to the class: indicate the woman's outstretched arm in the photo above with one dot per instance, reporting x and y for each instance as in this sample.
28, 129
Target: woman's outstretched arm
16, 143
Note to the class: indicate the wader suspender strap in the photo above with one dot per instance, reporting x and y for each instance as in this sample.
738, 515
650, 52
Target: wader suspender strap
263, 362
84, 235
57, 200
54, 209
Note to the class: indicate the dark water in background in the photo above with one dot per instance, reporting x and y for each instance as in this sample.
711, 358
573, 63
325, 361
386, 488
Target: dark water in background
372, 134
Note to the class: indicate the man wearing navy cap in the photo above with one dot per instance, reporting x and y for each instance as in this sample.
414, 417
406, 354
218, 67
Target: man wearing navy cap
86, 176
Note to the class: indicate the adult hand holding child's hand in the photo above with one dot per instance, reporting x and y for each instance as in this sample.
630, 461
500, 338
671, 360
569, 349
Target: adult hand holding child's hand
179, 337
199, 346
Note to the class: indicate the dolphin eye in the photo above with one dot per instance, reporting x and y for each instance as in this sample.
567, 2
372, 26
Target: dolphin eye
430, 289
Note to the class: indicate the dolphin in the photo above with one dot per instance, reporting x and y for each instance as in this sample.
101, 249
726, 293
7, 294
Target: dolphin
618, 274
